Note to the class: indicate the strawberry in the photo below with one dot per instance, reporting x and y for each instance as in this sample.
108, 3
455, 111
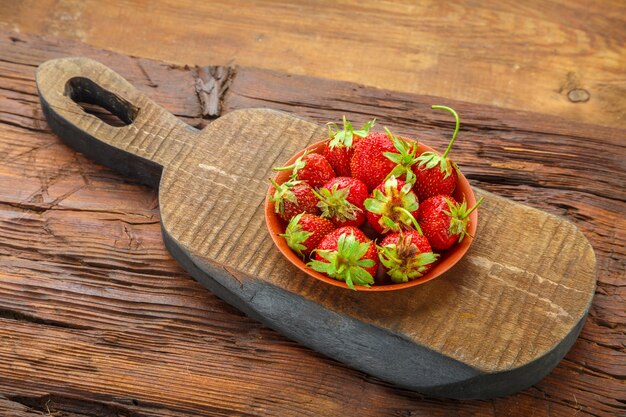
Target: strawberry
346, 254
305, 231
380, 155
436, 174
392, 206
341, 200
310, 167
444, 221
340, 147
369, 164
292, 198
406, 255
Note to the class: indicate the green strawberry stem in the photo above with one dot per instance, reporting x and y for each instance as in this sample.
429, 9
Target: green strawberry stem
429, 159
295, 167
474, 207
287, 168
390, 255
274, 183
410, 216
456, 129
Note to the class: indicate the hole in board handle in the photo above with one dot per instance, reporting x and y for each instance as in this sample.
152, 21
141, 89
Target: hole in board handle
106, 106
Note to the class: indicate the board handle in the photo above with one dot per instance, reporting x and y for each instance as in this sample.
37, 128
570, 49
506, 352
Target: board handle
147, 136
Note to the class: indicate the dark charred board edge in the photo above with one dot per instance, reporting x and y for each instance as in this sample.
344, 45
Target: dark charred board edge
133, 166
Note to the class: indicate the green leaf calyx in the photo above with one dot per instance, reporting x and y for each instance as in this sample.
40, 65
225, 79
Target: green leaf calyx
334, 204
404, 159
403, 261
459, 217
430, 160
296, 236
345, 137
394, 206
346, 263
283, 193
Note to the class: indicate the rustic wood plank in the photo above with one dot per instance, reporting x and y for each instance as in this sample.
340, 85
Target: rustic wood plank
563, 57
572, 388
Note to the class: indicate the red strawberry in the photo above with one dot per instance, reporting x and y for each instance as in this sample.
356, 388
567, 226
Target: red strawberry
341, 200
340, 147
436, 174
310, 167
380, 155
392, 207
305, 231
369, 163
346, 254
406, 255
292, 198
444, 221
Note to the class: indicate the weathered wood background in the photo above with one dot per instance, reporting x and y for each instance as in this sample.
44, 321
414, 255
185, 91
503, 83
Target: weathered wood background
97, 319
559, 57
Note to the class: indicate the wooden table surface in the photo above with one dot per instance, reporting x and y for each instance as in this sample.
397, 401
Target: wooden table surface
96, 319
560, 57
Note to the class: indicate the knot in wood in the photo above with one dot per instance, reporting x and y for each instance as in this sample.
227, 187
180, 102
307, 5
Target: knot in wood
578, 95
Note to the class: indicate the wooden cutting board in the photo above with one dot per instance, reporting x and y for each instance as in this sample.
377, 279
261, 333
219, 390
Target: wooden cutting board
496, 323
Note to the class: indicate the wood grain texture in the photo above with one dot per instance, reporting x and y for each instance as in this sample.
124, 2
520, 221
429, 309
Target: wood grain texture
561, 57
66, 231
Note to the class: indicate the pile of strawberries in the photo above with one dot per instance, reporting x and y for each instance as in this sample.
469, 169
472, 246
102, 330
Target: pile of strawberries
366, 187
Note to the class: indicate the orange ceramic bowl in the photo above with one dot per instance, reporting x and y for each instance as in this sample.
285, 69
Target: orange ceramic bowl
447, 259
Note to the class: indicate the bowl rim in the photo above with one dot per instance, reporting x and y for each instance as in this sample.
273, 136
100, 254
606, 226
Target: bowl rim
442, 266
